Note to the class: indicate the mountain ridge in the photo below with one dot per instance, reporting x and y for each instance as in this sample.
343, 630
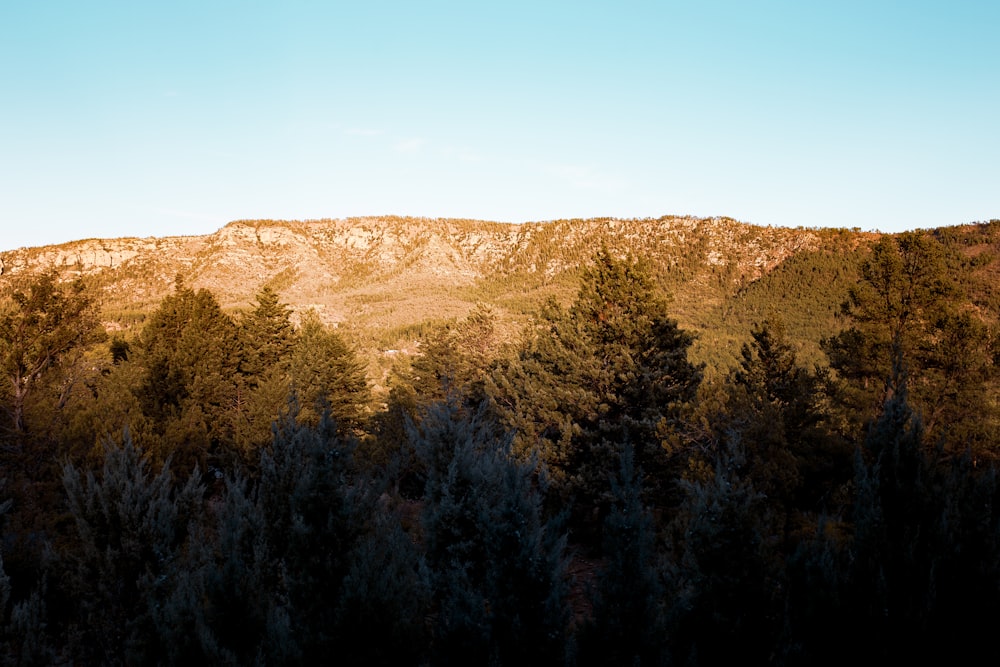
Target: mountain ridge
388, 276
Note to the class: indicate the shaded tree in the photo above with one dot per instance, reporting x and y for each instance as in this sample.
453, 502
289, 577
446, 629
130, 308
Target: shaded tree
498, 566
724, 577
629, 621
327, 374
41, 322
611, 368
129, 529
188, 352
908, 312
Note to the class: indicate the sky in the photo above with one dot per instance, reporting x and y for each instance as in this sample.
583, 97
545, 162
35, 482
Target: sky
174, 118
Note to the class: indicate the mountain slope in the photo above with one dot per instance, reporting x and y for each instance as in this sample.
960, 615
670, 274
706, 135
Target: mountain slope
387, 276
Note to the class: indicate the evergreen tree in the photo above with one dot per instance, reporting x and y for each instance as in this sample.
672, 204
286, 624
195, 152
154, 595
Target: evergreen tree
273, 578
188, 351
628, 625
925, 543
724, 577
909, 312
782, 415
266, 340
327, 375
612, 368
385, 601
41, 323
498, 567
130, 526
266, 335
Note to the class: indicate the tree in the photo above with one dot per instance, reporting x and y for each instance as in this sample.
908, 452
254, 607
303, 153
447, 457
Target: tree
455, 359
908, 315
498, 566
326, 374
130, 527
724, 579
628, 624
41, 323
188, 351
610, 369
267, 335
780, 411
266, 341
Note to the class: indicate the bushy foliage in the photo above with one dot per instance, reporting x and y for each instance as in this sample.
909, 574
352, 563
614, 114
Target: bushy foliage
498, 565
130, 528
629, 617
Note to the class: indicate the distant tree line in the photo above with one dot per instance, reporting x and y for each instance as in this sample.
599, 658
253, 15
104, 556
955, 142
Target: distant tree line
224, 489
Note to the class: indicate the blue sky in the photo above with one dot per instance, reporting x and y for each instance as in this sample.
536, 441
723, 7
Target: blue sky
141, 119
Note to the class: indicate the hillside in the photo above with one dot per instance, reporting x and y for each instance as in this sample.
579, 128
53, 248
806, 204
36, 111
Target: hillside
220, 476
386, 278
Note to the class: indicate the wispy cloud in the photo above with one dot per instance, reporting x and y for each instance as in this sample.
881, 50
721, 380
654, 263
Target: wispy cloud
461, 153
587, 177
363, 132
410, 145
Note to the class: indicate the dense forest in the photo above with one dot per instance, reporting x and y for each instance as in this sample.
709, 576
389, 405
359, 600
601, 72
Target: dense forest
225, 487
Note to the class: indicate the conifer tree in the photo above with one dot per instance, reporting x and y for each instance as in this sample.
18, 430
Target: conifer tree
188, 351
327, 374
611, 368
41, 322
910, 312
385, 600
266, 335
781, 412
724, 577
628, 625
498, 567
130, 526
266, 340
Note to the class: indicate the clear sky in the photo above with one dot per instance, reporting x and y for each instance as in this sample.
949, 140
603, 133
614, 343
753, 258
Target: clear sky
154, 118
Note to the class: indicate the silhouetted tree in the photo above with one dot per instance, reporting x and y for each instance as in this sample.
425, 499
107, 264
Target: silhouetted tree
498, 566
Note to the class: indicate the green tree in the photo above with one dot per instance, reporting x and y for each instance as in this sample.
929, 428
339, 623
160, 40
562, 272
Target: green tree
327, 374
130, 528
724, 579
498, 566
455, 359
629, 623
611, 368
781, 412
908, 315
267, 335
42, 322
189, 354
266, 341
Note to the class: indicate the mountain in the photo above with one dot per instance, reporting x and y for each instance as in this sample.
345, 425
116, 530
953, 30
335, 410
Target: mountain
387, 278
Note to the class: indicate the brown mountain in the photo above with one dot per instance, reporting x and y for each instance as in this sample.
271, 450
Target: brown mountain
386, 277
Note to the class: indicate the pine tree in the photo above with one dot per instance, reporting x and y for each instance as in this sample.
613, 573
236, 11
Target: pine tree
628, 624
327, 374
41, 323
189, 354
611, 368
266, 335
498, 567
724, 576
909, 312
130, 526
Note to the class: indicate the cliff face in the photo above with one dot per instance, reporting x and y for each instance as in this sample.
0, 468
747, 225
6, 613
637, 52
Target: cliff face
391, 272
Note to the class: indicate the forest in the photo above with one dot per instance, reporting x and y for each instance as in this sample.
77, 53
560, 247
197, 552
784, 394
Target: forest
217, 487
